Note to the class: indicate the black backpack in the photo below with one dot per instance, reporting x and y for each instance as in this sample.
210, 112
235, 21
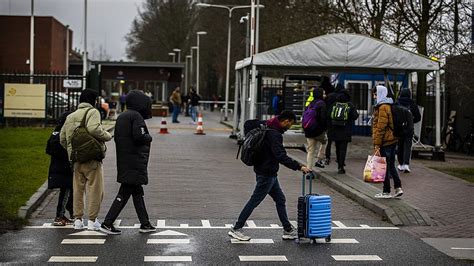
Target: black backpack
252, 144
402, 121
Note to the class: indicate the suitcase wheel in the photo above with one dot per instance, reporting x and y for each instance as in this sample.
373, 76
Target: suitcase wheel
328, 239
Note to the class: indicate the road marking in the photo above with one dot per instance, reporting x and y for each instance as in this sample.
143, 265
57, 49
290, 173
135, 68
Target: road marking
274, 226
462, 248
136, 226
364, 226
355, 257
251, 224
83, 241
184, 225
338, 241
263, 258
228, 225
252, 241
161, 223
339, 224
206, 224
168, 241
294, 223
168, 258
73, 259
88, 233
117, 223
169, 233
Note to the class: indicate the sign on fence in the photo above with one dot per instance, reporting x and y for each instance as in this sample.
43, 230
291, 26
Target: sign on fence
72, 83
25, 100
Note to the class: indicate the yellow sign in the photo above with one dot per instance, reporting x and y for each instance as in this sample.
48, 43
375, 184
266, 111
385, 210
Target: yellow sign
25, 100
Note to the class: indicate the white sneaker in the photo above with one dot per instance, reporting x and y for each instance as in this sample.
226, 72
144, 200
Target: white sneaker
93, 225
401, 167
407, 168
383, 195
398, 192
78, 224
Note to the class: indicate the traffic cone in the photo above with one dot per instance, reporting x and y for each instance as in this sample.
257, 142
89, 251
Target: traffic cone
199, 129
163, 128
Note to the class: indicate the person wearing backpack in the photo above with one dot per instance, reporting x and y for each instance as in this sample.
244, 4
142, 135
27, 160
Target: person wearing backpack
406, 141
271, 154
384, 140
87, 164
331, 95
341, 116
60, 175
132, 146
314, 127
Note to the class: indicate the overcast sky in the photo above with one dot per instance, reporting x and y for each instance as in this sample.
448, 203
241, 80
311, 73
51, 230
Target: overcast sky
108, 21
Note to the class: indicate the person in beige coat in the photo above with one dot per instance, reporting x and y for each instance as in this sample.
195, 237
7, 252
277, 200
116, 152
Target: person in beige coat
88, 176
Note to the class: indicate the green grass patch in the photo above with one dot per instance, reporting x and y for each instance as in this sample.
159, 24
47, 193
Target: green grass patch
466, 173
23, 167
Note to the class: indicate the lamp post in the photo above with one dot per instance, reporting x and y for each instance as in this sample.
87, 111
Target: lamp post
186, 76
173, 55
176, 50
191, 72
197, 59
84, 56
229, 9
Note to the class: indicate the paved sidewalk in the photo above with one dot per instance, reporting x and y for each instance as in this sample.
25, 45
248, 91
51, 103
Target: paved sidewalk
446, 199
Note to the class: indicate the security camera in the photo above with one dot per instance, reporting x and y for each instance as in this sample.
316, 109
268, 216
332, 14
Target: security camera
244, 18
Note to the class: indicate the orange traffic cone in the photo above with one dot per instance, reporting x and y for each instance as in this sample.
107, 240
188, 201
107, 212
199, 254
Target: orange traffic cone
163, 128
199, 129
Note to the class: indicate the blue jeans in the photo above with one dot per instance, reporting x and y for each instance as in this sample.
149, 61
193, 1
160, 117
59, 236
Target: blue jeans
265, 186
176, 111
389, 153
194, 113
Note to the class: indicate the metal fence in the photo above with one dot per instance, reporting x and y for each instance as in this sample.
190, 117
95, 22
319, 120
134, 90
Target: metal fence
58, 98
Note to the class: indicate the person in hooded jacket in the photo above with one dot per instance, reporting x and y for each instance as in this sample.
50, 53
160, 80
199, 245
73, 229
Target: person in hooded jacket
331, 95
405, 143
60, 175
266, 169
385, 142
132, 144
317, 133
342, 134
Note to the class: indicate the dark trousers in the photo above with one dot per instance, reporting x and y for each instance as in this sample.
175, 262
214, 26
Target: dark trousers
328, 149
404, 150
265, 186
64, 202
341, 151
125, 191
389, 153
176, 111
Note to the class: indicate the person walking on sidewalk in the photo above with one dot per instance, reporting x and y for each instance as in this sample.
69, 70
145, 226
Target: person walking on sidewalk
385, 143
342, 114
314, 127
405, 142
132, 142
193, 101
60, 175
175, 99
88, 176
331, 95
266, 169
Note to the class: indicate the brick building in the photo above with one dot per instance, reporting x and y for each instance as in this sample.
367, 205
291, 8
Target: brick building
50, 44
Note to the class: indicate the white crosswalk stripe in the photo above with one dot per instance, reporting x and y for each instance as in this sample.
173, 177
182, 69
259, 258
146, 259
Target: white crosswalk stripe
65, 259
168, 241
168, 258
356, 257
253, 241
263, 258
83, 241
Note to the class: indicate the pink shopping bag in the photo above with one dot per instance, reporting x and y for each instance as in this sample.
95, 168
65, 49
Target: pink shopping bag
375, 169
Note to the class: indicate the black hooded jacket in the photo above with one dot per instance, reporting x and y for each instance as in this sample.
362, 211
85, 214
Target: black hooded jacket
132, 140
60, 172
342, 133
405, 100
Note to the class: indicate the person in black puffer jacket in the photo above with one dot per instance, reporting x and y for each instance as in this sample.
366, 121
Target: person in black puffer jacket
132, 141
405, 143
60, 175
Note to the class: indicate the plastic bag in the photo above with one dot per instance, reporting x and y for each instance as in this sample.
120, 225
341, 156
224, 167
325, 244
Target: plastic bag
375, 169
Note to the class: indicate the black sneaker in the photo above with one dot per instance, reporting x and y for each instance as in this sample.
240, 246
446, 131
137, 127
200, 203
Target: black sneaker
319, 164
110, 230
147, 228
327, 161
341, 171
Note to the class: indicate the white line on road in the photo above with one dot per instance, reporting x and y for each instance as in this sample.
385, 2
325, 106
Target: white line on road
83, 241
168, 258
263, 258
355, 257
252, 241
364, 226
206, 223
184, 225
72, 259
168, 241
274, 226
338, 241
117, 223
216, 227
462, 248
228, 225
161, 224
251, 224
339, 224
169, 233
88, 233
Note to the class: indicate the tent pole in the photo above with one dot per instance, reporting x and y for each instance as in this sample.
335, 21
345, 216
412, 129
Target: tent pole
236, 103
438, 111
243, 99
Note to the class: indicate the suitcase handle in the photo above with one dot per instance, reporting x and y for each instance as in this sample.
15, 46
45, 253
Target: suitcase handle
310, 178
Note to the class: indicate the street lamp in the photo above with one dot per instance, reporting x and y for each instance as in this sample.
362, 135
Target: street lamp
176, 50
173, 55
187, 80
197, 59
230, 9
191, 72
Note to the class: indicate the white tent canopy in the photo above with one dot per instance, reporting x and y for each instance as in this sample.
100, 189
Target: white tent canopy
341, 52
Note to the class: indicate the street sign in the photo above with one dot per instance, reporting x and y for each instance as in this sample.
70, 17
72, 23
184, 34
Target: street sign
72, 83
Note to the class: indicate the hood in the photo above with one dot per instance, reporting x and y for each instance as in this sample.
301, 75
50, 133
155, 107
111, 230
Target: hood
136, 100
405, 93
339, 87
343, 96
382, 93
318, 93
88, 96
275, 124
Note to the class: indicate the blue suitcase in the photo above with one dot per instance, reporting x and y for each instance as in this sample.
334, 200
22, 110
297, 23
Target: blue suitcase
314, 214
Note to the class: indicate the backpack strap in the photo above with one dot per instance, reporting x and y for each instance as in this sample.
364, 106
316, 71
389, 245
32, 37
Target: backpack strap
83, 122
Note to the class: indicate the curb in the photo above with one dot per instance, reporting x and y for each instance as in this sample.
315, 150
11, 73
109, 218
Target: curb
30, 206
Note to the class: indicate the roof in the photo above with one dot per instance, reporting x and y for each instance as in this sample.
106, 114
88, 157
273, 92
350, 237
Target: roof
134, 64
341, 52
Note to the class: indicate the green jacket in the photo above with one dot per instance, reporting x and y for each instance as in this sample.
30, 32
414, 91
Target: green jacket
92, 123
